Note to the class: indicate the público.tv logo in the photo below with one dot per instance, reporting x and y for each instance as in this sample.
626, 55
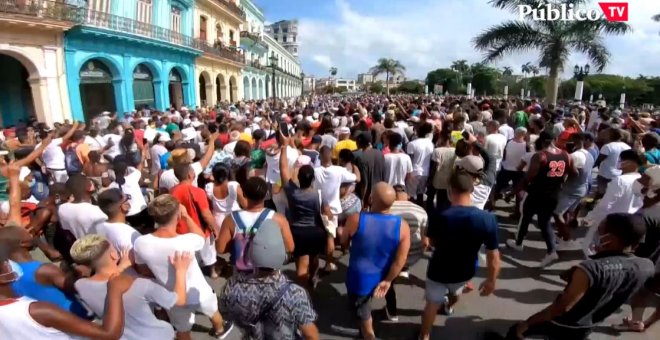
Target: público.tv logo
612, 11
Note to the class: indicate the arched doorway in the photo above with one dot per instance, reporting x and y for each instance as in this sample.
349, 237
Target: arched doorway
254, 89
205, 89
246, 88
16, 101
220, 87
233, 90
143, 87
176, 89
96, 91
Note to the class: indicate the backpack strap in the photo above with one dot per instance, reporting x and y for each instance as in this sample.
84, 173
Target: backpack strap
238, 221
260, 219
280, 294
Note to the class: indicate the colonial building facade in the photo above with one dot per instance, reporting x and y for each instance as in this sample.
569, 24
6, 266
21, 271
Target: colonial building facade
255, 48
285, 69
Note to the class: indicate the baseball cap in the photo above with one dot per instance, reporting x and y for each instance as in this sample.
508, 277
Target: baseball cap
267, 248
472, 164
344, 130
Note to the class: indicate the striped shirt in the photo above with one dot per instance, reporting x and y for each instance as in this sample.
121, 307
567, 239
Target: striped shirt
417, 220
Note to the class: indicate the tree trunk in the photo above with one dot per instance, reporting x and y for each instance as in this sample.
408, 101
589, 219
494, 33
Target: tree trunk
552, 85
387, 83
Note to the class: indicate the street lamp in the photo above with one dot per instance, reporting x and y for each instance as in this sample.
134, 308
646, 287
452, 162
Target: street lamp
580, 72
302, 81
273, 65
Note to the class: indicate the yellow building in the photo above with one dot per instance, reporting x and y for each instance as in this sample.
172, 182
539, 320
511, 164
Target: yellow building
218, 71
33, 81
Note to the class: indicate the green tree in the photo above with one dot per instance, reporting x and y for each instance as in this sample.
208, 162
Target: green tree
555, 40
388, 67
507, 71
376, 87
526, 68
446, 77
410, 86
484, 78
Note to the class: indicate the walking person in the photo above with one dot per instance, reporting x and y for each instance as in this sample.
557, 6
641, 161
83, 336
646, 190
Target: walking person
379, 244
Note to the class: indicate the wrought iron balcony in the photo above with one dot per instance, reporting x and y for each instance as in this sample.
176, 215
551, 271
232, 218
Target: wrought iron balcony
252, 36
232, 7
257, 64
126, 25
42, 9
220, 50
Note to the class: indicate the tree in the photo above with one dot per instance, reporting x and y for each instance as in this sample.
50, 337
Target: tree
446, 77
410, 86
508, 71
333, 71
376, 87
484, 78
534, 70
526, 68
555, 40
389, 67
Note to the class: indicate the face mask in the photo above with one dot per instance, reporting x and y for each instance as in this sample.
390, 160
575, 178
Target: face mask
638, 188
600, 242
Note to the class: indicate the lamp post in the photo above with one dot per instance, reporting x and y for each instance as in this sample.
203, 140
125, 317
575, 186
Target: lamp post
580, 73
273, 65
302, 81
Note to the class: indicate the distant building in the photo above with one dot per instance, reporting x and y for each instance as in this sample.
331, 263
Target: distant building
309, 84
285, 32
365, 78
348, 84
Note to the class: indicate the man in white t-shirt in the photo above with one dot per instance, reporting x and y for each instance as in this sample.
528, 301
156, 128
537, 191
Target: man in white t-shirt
514, 151
608, 160
495, 142
168, 180
420, 151
53, 156
504, 128
112, 142
80, 217
398, 166
152, 251
328, 180
116, 205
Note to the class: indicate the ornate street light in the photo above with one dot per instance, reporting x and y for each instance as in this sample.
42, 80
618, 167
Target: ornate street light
302, 82
580, 72
273, 65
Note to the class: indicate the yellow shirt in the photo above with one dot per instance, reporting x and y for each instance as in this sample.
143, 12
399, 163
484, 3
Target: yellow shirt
341, 145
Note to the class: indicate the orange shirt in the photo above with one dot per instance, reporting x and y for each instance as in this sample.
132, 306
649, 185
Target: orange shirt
195, 201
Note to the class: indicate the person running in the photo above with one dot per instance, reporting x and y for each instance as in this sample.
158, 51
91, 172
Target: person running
513, 152
151, 253
545, 176
371, 164
594, 290
379, 244
608, 159
98, 253
457, 235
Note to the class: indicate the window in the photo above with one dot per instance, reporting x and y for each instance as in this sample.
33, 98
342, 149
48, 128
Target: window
99, 5
295, 50
144, 10
284, 38
218, 32
276, 30
202, 28
176, 19
294, 38
285, 30
231, 38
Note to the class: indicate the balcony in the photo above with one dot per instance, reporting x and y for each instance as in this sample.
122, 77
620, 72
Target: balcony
256, 64
253, 39
42, 10
130, 26
249, 35
232, 8
219, 49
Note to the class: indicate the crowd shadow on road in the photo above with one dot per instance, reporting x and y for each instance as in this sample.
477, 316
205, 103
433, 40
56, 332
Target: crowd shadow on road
530, 297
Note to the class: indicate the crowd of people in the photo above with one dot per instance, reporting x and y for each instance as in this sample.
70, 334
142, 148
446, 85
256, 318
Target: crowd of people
124, 220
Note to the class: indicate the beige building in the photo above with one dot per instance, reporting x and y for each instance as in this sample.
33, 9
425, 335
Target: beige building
33, 81
218, 71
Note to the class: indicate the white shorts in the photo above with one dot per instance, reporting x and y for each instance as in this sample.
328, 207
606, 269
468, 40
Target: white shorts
183, 317
436, 291
207, 255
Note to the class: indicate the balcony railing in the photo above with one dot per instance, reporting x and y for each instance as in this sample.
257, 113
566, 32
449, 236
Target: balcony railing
126, 25
250, 35
232, 7
257, 64
220, 50
43, 9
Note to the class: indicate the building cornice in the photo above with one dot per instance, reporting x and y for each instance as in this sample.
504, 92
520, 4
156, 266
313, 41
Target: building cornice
252, 8
272, 42
217, 9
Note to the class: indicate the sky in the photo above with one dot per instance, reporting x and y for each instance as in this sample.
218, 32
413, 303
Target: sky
429, 34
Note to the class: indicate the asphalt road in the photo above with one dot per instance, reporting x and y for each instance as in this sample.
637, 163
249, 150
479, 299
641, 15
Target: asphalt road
522, 290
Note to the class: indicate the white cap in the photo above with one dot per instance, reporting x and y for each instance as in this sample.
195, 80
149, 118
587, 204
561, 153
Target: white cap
344, 130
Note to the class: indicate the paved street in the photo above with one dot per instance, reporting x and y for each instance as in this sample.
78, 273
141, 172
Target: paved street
521, 291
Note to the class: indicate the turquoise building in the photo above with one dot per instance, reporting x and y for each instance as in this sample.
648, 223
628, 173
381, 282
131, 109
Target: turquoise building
129, 54
255, 72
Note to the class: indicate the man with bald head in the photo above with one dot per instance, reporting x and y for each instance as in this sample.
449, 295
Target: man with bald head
379, 247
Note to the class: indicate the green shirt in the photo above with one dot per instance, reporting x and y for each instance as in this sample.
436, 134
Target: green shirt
171, 127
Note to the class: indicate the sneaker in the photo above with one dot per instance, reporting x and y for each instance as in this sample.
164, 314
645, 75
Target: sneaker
511, 243
446, 310
391, 317
548, 259
227, 327
404, 274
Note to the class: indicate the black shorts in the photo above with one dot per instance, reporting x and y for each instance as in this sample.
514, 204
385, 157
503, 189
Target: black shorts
360, 306
308, 240
506, 176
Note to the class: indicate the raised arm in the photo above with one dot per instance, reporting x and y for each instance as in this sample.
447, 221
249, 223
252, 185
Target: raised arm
204, 162
34, 154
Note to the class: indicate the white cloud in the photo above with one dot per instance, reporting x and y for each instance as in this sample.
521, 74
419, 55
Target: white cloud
425, 35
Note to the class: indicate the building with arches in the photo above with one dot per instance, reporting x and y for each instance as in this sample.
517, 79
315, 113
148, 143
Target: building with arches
125, 55
256, 52
218, 70
285, 69
33, 82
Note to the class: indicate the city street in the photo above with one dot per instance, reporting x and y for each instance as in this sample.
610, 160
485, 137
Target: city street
522, 290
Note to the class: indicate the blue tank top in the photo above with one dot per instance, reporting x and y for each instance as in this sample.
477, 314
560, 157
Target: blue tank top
373, 248
28, 286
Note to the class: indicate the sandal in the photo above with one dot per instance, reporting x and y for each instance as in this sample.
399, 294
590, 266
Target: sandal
628, 325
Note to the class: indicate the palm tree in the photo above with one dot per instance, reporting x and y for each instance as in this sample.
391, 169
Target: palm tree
389, 67
526, 68
508, 71
555, 40
534, 70
333, 71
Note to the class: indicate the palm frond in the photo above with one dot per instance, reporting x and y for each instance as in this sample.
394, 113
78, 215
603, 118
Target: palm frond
514, 33
554, 55
596, 50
